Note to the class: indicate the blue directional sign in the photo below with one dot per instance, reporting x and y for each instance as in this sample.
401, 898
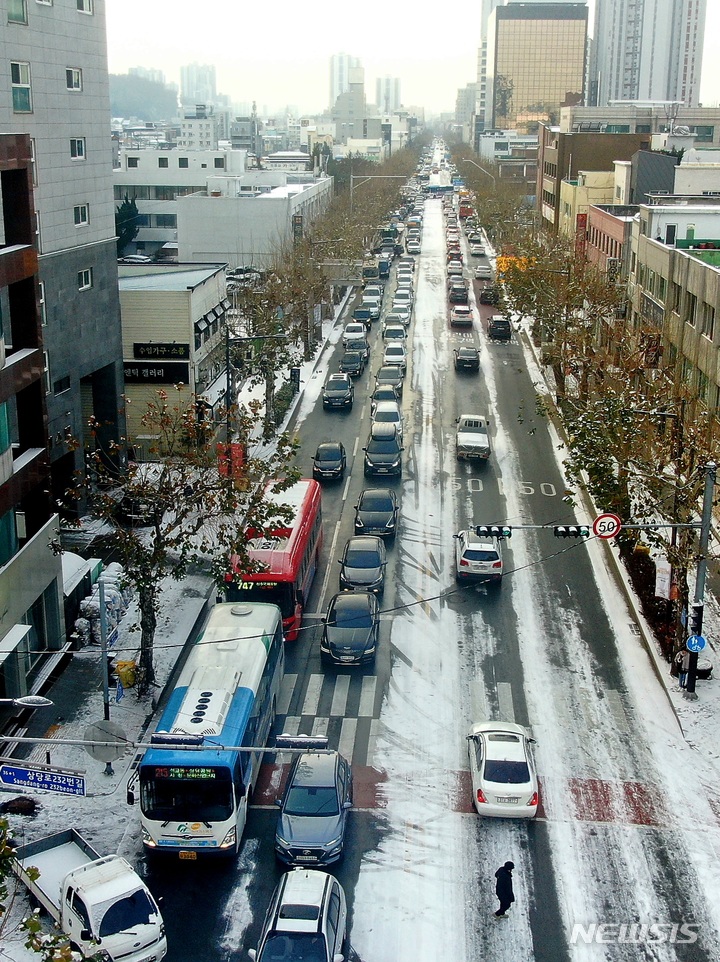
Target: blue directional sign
696, 643
13, 772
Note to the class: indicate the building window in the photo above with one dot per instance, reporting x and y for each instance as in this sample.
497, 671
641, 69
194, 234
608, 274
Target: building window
162, 161
62, 385
183, 162
703, 134
81, 215
85, 6
167, 221
133, 161
85, 279
220, 162
45, 3
707, 320
17, 11
21, 93
73, 78
691, 309
43, 305
77, 148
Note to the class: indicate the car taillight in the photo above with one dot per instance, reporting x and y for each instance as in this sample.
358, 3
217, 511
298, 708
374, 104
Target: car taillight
480, 797
464, 563
533, 800
497, 564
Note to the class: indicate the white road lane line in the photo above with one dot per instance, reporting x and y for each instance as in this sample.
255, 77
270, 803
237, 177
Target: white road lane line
286, 692
505, 702
340, 695
345, 489
333, 546
372, 741
356, 446
312, 695
478, 701
367, 696
346, 745
320, 727
617, 710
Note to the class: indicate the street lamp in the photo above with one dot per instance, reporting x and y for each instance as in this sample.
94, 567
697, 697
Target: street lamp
28, 701
466, 160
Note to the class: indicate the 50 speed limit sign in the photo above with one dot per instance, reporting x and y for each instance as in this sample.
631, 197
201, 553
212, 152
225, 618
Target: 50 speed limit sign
606, 526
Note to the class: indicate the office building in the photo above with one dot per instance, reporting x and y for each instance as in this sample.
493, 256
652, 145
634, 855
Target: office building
350, 109
387, 94
32, 626
645, 118
197, 84
340, 66
55, 88
647, 50
535, 63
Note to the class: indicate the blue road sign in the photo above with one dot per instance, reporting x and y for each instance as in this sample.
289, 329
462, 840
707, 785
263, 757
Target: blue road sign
46, 779
696, 643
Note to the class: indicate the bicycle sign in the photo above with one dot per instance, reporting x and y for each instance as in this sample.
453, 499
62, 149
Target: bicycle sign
606, 526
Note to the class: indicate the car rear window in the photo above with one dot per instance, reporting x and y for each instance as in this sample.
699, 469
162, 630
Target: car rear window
506, 773
473, 554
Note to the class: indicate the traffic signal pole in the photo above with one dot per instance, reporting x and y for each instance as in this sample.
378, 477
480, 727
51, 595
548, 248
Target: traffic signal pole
701, 575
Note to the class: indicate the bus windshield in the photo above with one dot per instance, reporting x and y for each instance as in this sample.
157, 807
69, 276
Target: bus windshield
166, 795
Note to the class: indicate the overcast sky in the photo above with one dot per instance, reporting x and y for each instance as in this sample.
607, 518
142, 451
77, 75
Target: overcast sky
279, 54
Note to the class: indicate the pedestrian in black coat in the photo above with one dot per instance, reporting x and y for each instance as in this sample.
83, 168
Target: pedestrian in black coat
504, 889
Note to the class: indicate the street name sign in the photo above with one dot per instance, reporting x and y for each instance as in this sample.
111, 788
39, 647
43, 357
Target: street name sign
20, 774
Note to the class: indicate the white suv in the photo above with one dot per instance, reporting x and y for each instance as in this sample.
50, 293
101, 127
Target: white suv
478, 558
307, 919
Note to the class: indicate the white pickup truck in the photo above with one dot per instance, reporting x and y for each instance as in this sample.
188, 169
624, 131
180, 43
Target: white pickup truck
100, 903
472, 441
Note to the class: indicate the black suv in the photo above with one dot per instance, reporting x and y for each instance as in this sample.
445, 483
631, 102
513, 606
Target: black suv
338, 392
352, 363
489, 295
499, 328
383, 453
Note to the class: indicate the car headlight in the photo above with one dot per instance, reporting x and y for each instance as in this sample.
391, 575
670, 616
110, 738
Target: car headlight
390, 523
396, 463
281, 842
333, 842
147, 838
359, 523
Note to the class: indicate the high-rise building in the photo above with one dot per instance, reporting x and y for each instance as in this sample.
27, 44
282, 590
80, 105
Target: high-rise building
197, 84
349, 112
535, 63
32, 627
145, 73
55, 88
340, 66
646, 50
387, 94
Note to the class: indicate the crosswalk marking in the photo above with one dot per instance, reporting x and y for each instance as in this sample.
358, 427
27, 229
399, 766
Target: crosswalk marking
478, 701
367, 696
348, 730
320, 727
340, 695
506, 709
617, 710
286, 692
291, 725
312, 695
372, 741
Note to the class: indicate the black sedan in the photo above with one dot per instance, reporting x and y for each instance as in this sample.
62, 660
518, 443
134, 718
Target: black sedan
467, 359
376, 512
351, 628
330, 461
363, 564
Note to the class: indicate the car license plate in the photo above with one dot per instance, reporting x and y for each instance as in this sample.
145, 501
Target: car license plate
509, 800
307, 858
188, 855
382, 470
347, 658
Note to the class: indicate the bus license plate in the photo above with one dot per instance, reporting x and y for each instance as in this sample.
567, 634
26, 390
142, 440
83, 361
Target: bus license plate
188, 855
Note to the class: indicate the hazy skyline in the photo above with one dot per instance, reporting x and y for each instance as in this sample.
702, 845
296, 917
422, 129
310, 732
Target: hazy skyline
283, 56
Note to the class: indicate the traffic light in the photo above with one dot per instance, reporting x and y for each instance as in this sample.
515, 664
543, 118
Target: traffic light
571, 531
695, 619
493, 531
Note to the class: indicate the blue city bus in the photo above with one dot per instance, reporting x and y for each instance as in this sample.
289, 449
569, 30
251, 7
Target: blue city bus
193, 796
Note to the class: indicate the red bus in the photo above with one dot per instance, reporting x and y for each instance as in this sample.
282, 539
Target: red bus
290, 554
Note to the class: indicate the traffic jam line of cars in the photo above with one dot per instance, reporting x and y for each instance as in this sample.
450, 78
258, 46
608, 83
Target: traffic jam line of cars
307, 915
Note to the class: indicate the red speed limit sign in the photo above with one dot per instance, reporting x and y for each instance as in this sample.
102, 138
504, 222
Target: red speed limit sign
606, 526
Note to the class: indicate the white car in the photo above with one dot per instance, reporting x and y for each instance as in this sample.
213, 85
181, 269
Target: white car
400, 314
413, 247
353, 331
478, 558
403, 296
483, 273
395, 353
504, 781
393, 332
307, 919
388, 412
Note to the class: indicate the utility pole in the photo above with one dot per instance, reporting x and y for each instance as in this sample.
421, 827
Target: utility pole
701, 574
